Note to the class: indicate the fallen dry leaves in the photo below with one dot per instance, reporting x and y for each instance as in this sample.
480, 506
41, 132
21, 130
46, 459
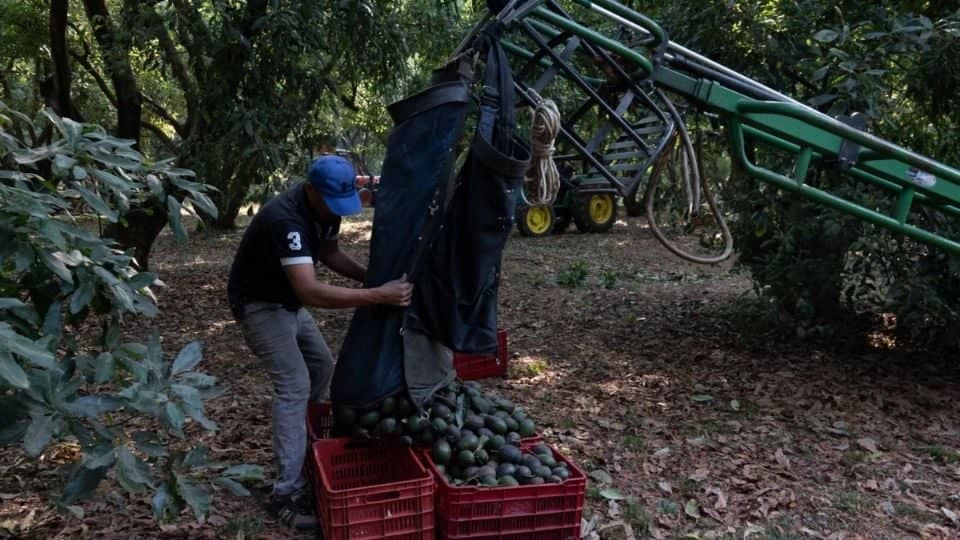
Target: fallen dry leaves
645, 381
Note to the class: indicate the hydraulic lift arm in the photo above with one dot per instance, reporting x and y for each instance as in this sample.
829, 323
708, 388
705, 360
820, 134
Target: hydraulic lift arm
622, 81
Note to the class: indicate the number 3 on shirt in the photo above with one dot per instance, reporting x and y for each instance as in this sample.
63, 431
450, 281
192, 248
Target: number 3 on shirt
294, 238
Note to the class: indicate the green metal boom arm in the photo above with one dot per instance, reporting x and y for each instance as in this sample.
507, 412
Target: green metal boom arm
775, 120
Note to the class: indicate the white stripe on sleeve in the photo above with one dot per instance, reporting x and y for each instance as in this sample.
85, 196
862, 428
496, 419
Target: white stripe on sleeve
291, 261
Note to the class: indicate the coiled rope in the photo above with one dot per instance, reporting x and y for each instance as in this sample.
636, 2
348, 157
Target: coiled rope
543, 184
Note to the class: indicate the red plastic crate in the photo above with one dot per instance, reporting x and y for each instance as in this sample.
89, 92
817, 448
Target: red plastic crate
480, 366
532, 512
372, 489
319, 421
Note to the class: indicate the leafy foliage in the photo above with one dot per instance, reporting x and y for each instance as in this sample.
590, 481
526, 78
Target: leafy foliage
128, 407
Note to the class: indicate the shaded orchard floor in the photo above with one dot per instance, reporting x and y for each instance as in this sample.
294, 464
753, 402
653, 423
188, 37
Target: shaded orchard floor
635, 372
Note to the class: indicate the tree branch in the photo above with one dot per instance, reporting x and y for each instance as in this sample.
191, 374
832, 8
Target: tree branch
84, 61
163, 137
162, 113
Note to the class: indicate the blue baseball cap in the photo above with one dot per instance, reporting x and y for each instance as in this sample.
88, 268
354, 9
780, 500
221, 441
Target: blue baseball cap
336, 180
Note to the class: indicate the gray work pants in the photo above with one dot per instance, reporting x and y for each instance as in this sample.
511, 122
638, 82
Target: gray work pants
300, 366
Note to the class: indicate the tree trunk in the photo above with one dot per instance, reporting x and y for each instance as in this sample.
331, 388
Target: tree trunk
140, 232
61, 102
117, 61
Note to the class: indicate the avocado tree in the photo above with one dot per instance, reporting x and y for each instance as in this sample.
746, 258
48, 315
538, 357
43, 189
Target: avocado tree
240, 92
66, 377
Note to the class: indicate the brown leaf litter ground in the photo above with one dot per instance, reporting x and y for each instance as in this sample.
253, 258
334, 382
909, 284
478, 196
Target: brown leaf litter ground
632, 369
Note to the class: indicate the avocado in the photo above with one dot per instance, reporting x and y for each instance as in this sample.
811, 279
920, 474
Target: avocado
425, 436
439, 425
531, 461
548, 460
537, 480
488, 480
468, 441
404, 407
527, 428
496, 425
344, 415
473, 422
387, 406
481, 456
512, 424
508, 481
441, 452
514, 438
406, 441
562, 472
465, 458
511, 454
554, 479
506, 469
369, 419
439, 410
416, 423
387, 426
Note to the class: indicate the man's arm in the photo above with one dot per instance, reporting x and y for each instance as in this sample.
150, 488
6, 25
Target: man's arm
312, 292
340, 262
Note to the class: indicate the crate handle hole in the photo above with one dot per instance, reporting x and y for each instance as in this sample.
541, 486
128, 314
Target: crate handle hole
383, 496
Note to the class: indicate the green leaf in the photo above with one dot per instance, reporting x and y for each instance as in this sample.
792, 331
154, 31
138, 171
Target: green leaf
52, 322
611, 495
83, 295
826, 35
112, 334
96, 203
38, 435
83, 482
149, 443
79, 173
102, 455
692, 509
132, 473
26, 349
104, 366
11, 371
156, 188
188, 358
198, 380
194, 495
112, 180
196, 457
173, 215
94, 406
63, 162
203, 203
601, 476
175, 415
10, 303
56, 266
235, 487
164, 505
244, 472
702, 398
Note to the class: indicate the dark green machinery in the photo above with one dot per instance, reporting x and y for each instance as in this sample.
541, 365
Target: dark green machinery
630, 86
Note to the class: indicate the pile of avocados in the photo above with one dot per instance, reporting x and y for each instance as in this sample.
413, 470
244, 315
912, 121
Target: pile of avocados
474, 437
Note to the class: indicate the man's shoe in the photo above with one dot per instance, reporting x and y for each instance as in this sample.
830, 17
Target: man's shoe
294, 512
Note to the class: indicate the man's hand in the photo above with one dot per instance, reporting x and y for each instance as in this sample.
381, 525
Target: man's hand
397, 292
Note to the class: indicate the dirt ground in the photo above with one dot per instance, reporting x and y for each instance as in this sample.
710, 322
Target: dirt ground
627, 359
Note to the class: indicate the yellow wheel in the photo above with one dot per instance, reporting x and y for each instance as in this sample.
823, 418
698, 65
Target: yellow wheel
594, 212
535, 220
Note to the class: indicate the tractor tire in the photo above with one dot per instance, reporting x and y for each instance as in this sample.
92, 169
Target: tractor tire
594, 212
535, 220
633, 203
561, 223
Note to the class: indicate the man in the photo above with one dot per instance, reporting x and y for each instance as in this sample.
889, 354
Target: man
271, 280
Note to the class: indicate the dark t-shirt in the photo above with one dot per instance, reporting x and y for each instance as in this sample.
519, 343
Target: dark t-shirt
283, 233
